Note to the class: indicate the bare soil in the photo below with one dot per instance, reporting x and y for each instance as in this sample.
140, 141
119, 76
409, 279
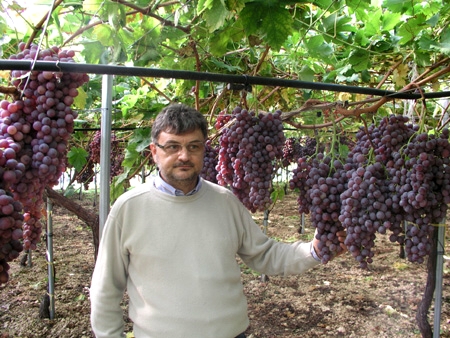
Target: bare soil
333, 300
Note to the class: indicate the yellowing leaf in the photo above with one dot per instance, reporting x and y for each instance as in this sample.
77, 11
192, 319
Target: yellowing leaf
344, 96
4, 74
400, 75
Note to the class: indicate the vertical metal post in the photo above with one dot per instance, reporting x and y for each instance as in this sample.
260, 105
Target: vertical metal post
51, 271
29, 258
143, 175
439, 272
302, 231
265, 223
95, 186
105, 151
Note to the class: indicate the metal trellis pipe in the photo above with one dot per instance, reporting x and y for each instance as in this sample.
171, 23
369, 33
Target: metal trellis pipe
51, 267
71, 67
105, 151
265, 224
439, 272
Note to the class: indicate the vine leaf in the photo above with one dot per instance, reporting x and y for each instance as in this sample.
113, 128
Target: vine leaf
77, 157
410, 29
271, 21
215, 17
79, 101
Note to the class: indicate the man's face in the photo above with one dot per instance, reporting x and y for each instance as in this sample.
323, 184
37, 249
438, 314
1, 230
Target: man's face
179, 158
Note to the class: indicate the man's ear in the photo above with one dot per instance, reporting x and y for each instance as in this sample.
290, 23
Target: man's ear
152, 148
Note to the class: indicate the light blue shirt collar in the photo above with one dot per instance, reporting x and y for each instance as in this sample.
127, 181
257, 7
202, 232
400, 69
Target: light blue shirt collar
165, 187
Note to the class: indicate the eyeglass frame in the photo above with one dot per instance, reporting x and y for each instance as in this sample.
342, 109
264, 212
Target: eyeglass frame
179, 146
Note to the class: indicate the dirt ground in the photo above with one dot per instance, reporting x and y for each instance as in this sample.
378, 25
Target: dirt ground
333, 300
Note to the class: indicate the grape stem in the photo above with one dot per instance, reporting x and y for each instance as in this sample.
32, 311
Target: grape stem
13, 91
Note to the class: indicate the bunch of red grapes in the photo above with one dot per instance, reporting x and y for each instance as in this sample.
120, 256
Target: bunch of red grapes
34, 132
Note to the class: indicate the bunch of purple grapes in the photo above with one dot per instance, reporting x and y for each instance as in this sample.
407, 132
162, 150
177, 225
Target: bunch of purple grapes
11, 220
291, 151
321, 181
309, 147
86, 176
370, 203
249, 149
34, 132
15, 169
424, 190
395, 180
295, 148
94, 147
405, 178
222, 119
209, 171
300, 183
116, 154
364, 210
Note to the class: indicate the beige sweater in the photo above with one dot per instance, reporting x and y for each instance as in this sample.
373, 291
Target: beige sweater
176, 257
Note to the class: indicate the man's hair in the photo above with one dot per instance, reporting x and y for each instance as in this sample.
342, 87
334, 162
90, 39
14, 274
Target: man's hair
179, 119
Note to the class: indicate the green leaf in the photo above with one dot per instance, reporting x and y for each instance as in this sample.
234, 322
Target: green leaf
365, 76
306, 74
359, 60
92, 5
361, 38
411, 29
77, 158
235, 5
117, 187
105, 34
422, 58
276, 25
93, 51
268, 20
131, 155
323, 3
390, 20
317, 47
141, 139
335, 24
426, 42
251, 17
433, 21
219, 42
397, 6
222, 65
444, 45
203, 5
372, 27
278, 193
216, 15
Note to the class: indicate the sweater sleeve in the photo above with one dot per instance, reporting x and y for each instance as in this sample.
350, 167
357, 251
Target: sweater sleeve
108, 284
270, 257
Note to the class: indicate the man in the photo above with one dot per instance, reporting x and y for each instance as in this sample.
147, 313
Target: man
172, 244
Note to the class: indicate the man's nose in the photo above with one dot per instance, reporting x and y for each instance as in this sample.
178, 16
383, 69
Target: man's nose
184, 153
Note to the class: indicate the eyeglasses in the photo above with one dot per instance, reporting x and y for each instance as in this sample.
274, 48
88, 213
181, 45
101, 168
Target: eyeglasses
174, 148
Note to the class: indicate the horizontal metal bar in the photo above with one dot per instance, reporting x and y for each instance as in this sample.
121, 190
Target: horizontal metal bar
71, 67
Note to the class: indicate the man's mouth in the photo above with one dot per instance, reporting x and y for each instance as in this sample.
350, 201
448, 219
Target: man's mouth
184, 166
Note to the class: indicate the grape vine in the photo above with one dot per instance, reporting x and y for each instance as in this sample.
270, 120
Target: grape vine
34, 131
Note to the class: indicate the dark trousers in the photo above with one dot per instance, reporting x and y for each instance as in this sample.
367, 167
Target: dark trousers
242, 335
